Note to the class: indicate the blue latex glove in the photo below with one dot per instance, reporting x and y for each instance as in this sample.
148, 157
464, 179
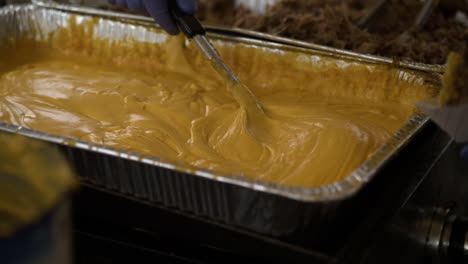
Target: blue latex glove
159, 10
464, 153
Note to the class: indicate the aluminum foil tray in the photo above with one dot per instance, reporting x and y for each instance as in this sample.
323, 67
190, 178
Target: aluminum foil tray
254, 205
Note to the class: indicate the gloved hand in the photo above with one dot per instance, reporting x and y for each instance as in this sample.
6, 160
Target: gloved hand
464, 153
159, 10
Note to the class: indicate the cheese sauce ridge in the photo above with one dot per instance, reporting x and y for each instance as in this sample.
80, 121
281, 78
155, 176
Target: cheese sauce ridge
323, 117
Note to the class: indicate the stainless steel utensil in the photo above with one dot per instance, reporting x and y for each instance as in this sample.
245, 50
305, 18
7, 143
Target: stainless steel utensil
193, 29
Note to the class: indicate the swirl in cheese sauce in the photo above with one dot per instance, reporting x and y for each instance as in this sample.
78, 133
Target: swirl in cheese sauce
323, 117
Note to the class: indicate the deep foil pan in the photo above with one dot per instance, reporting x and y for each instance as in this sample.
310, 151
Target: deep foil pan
255, 205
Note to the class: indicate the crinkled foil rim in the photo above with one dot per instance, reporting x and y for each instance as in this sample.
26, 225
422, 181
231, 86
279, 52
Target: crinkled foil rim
226, 30
336, 191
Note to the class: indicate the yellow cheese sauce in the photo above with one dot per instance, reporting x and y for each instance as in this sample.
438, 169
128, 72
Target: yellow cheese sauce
323, 118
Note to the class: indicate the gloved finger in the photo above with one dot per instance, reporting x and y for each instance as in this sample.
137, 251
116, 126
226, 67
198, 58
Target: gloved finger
188, 6
464, 153
159, 10
135, 5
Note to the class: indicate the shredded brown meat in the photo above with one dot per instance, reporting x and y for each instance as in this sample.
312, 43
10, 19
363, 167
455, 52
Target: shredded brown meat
333, 23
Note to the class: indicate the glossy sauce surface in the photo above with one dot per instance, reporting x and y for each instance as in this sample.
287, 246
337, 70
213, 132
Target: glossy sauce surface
323, 117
